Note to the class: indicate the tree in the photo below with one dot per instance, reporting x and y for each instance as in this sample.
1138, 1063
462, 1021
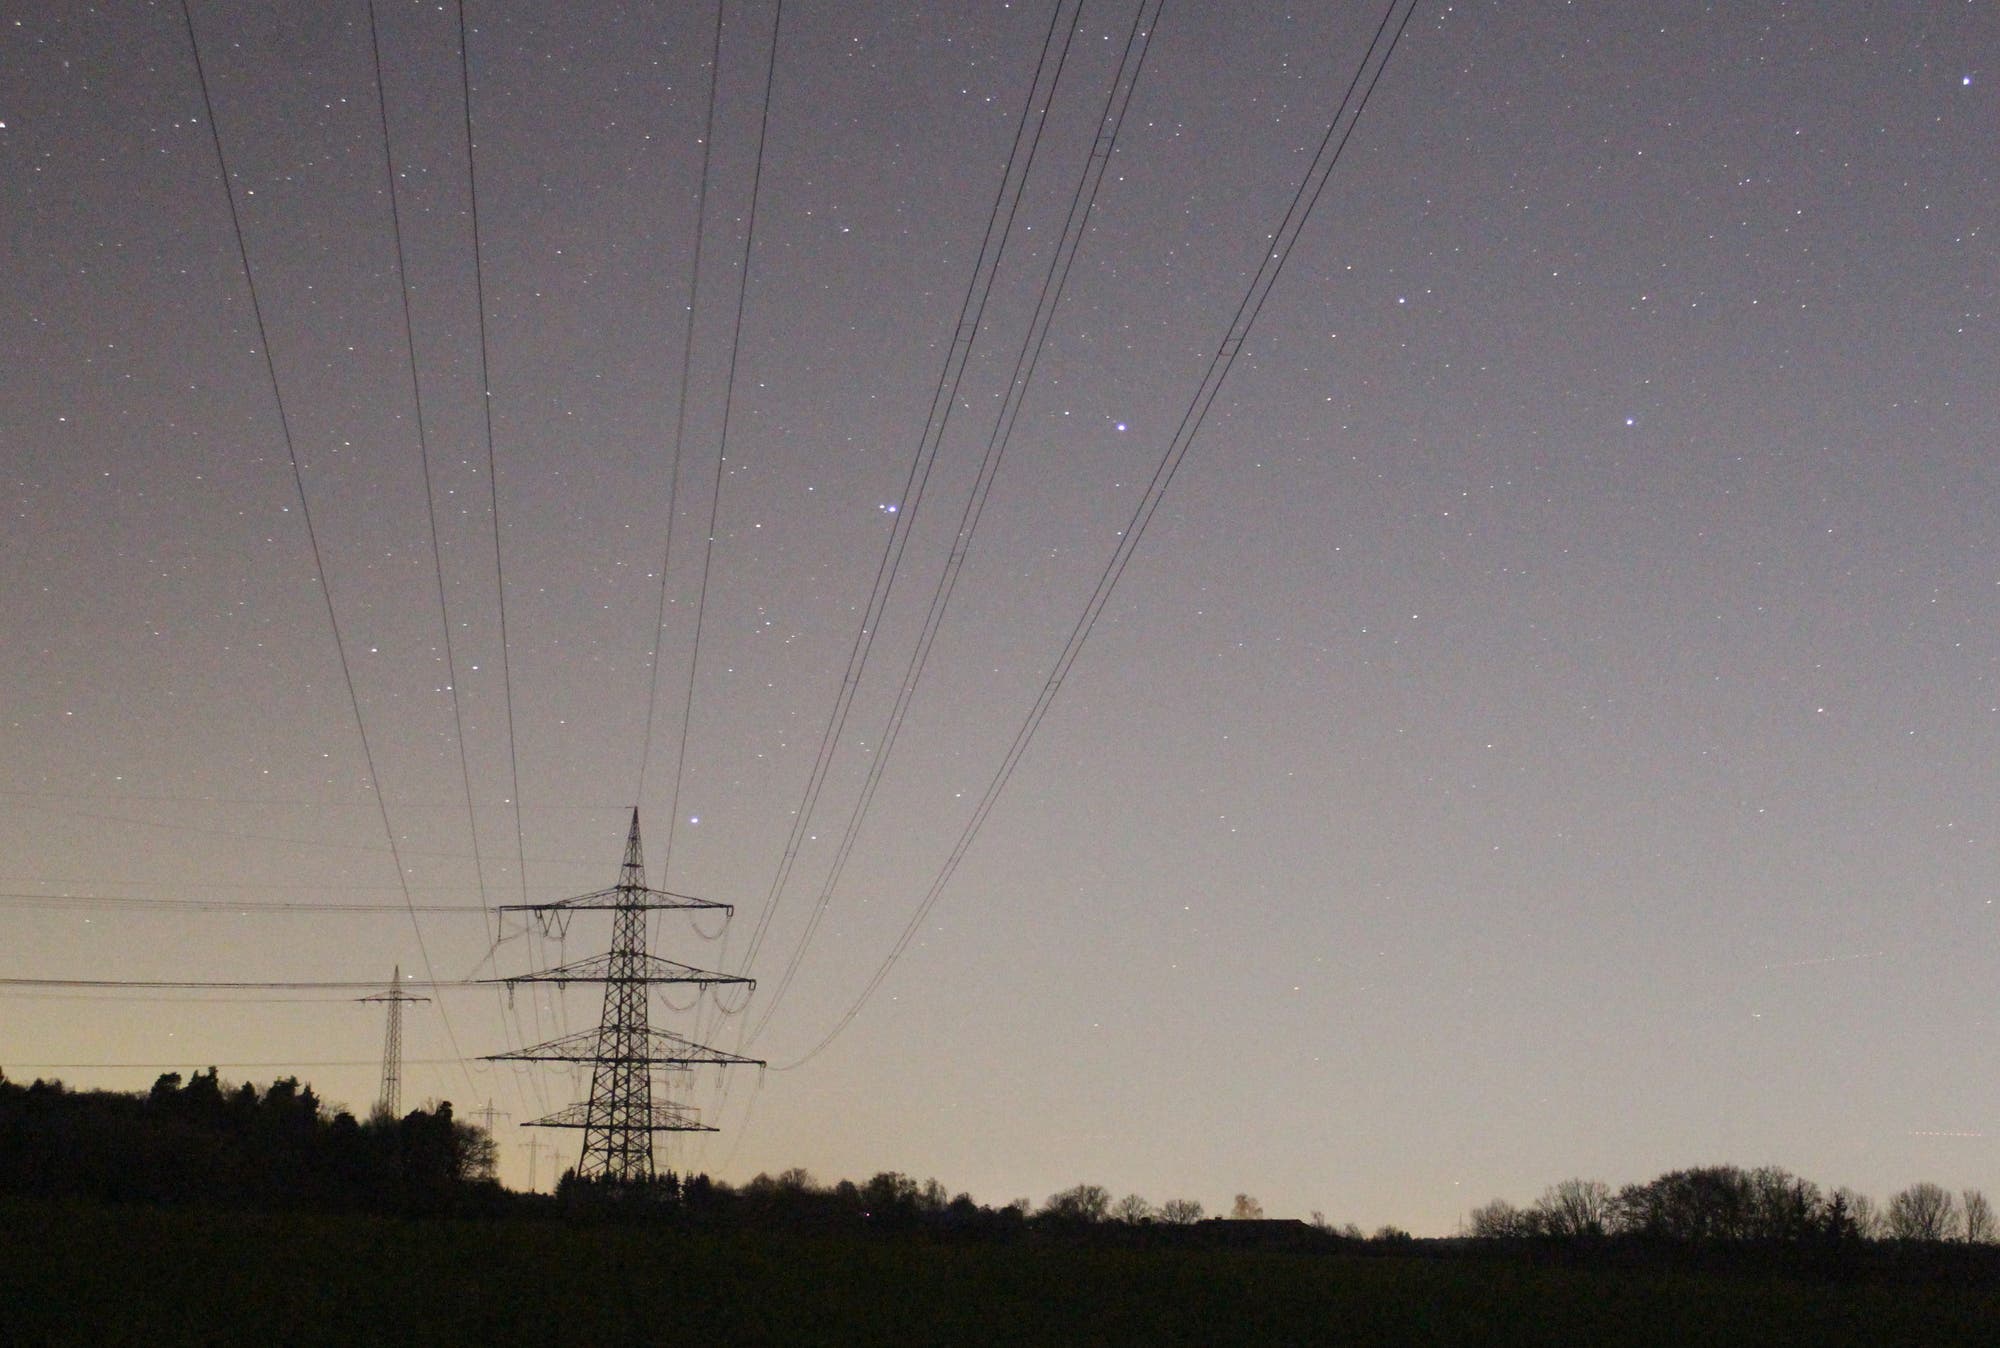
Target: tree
889, 1191
1246, 1209
1501, 1220
1083, 1203
478, 1153
1782, 1206
1867, 1216
1132, 1210
1574, 1208
1180, 1212
1924, 1212
1980, 1226
932, 1199
1702, 1204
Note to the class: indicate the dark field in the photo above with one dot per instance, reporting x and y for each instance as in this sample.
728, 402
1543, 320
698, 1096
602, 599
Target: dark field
79, 1274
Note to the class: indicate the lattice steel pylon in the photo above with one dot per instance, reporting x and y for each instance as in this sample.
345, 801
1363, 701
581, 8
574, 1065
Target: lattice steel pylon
391, 1100
620, 1117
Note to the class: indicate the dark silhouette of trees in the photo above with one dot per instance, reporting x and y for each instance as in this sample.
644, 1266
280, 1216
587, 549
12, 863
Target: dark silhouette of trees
1865, 1212
199, 1140
1979, 1225
1925, 1212
195, 1141
1083, 1203
1575, 1208
1729, 1206
1721, 1203
1132, 1210
1501, 1220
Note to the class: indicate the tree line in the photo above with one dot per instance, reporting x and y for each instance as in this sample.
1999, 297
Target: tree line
201, 1140
204, 1141
1727, 1204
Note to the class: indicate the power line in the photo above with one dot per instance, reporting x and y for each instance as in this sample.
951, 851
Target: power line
183, 1062
430, 505
305, 509
493, 485
147, 882
274, 802
492, 468
424, 449
249, 985
1055, 281
722, 440
250, 836
680, 411
999, 223
1275, 256
164, 997
19, 899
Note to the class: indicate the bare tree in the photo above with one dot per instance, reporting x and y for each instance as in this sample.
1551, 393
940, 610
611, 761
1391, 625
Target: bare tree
1501, 1220
1924, 1212
478, 1153
1865, 1212
1246, 1209
1131, 1210
1575, 1207
1980, 1226
1781, 1205
1180, 1211
1084, 1203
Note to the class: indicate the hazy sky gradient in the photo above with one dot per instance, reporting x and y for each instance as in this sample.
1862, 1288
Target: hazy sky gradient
1549, 728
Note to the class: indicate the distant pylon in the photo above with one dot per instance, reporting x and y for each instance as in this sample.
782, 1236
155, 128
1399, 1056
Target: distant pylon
487, 1115
391, 1100
620, 1117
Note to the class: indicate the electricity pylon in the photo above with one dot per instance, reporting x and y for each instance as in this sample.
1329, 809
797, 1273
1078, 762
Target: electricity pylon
391, 1100
621, 1116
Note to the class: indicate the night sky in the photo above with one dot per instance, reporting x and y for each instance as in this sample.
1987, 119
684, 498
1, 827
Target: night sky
1549, 727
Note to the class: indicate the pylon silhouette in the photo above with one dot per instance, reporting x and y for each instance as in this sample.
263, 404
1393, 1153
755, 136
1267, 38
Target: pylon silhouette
621, 1116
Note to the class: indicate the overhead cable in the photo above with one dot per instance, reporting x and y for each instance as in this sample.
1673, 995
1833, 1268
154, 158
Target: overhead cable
1054, 283
424, 451
1352, 103
305, 509
999, 224
680, 406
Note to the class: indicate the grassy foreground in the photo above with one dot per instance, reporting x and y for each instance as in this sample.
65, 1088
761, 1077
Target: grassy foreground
84, 1274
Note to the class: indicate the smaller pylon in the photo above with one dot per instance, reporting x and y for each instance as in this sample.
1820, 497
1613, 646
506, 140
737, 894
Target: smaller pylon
487, 1115
391, 1101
